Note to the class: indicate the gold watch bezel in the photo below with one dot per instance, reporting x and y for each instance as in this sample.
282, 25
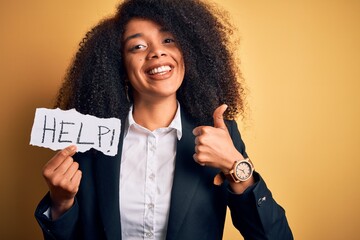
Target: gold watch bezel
232, 176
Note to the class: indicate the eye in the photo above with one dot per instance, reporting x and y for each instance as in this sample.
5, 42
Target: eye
169, 40
137, 47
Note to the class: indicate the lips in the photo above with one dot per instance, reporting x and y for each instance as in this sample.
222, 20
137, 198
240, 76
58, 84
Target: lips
160, 69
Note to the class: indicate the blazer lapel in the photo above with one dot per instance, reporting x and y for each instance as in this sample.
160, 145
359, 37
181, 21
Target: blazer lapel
186, 179
107, 181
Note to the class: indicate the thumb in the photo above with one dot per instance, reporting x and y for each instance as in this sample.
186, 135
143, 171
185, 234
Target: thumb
218, 117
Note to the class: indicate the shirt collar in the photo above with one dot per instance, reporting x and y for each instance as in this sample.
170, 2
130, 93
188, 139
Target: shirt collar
175, 123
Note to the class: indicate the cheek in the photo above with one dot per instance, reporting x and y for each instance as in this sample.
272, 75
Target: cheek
183, 68
132, 65
182, 62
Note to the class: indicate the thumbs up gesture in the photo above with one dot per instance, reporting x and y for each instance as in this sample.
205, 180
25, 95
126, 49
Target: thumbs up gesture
213, 145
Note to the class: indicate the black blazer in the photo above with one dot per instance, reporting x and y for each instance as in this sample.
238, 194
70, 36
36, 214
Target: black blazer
197, 209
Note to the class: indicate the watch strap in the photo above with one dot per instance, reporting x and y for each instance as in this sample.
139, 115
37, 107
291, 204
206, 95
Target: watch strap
230, 176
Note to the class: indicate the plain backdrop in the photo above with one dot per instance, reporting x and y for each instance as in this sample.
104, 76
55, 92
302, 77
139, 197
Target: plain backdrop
301, 63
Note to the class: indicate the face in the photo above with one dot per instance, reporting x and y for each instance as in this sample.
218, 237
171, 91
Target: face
153, 60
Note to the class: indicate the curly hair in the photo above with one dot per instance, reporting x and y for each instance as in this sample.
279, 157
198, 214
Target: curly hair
95, 81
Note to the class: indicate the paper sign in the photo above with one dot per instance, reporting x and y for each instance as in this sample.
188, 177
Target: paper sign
57, 129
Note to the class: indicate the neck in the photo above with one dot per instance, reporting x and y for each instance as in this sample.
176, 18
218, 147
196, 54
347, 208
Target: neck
154, 115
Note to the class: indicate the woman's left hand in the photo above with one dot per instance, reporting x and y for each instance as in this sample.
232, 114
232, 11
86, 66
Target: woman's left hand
215, 148
213, 145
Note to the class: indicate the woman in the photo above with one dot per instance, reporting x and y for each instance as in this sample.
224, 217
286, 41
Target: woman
165, 69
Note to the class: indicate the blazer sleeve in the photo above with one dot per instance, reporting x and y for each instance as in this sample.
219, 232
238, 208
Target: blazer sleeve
62, 228
255, 213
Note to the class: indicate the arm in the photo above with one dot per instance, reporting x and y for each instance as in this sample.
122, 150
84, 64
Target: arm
257, 215
254, 212
61, 228
62, 176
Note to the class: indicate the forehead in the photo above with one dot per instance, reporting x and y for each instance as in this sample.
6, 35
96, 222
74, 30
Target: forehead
141, 26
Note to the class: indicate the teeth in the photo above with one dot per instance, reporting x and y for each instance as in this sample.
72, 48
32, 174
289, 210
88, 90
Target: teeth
160, 70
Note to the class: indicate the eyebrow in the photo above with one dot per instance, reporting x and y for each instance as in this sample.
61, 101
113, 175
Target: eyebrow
136, 35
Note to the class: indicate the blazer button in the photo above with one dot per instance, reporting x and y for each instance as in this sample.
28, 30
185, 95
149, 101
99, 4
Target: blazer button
261, 201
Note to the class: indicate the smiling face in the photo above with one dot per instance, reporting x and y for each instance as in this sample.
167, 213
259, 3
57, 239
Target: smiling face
153, 60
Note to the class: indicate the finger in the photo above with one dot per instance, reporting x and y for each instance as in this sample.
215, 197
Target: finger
200, 130
197, 160
196, 148
64, 166
197, 131
76, 178
74, 183
219, 118
71, 170
60, 157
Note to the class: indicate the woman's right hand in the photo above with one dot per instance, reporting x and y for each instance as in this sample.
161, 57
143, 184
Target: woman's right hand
63, 177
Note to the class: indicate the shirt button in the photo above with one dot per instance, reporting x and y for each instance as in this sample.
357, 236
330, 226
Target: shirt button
152, 177
261, 201
150, 205
149, 234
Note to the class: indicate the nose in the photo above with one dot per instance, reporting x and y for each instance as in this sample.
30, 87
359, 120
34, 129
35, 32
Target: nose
156, 51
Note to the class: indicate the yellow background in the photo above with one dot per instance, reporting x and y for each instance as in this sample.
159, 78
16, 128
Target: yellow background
301, 60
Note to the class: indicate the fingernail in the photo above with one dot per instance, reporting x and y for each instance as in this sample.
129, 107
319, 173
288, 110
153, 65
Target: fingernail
72, 148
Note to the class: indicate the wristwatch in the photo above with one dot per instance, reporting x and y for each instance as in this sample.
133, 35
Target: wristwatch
241, 171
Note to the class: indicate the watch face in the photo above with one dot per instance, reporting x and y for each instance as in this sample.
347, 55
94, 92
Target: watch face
243, 170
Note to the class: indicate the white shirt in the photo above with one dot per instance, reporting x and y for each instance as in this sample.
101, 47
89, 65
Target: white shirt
146, 178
